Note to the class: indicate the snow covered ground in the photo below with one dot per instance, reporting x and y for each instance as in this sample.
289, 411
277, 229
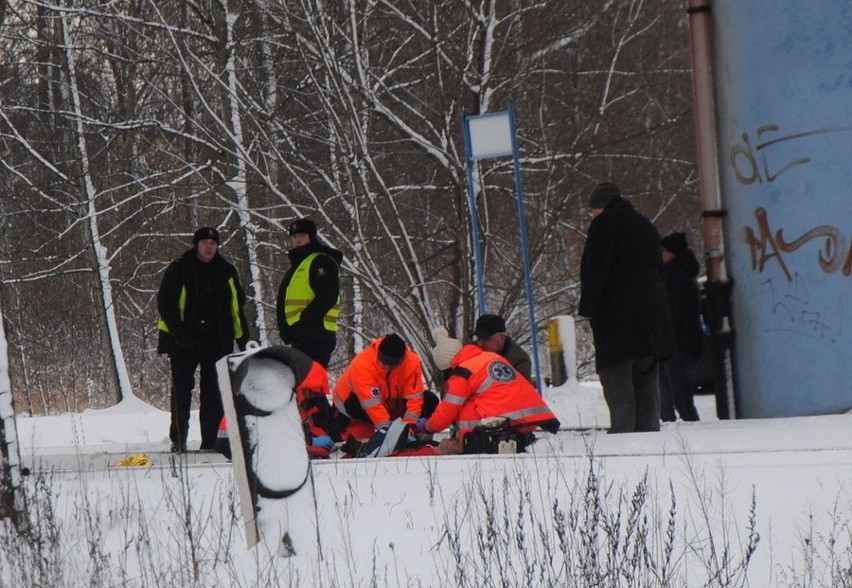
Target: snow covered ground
392, 521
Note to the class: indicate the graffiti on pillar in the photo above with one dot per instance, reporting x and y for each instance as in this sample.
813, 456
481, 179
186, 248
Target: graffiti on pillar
782, 106
799, 311
766, 245
754, 162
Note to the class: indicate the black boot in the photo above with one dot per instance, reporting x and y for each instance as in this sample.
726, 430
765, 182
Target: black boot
178, 448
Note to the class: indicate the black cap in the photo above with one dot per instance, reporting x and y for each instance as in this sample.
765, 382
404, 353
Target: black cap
487, 325
205, 233
303, 225
603, 195
676, 243
391, 350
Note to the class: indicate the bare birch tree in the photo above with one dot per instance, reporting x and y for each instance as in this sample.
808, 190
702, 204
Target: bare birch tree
126, 124
12, 498
102, 264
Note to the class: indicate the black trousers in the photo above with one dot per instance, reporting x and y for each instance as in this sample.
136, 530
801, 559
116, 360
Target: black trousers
632, 392
677, 386
318, 345
183, 365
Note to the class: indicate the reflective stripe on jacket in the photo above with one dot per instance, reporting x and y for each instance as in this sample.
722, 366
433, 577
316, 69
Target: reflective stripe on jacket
384, 395
299, 295
235, 309
161, 324
483, 384
234, 306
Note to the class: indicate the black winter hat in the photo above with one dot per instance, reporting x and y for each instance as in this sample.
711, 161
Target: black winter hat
487, 325
303, 225
676, 243
205, 233
391, 350
603, 195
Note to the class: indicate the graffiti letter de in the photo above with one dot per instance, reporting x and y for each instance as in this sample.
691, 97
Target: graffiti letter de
751, 163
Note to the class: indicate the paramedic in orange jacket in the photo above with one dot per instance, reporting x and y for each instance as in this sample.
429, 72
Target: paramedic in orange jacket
479, 384
382, 383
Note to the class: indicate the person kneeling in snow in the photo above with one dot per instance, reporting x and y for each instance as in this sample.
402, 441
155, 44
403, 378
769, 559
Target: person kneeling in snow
382, 383
312, 390
492, 406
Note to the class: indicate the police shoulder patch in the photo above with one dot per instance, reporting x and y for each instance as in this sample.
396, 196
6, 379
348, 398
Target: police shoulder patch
501, 372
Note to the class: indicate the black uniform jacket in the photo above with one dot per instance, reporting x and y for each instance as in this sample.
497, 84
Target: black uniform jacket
184, 273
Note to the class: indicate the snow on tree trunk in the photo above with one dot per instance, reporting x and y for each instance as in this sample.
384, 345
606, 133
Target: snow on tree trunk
101, 258
238, 182
11, 499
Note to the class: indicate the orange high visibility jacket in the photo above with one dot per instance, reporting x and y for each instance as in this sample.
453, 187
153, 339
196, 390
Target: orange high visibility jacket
384, 395
315, 385
483, 384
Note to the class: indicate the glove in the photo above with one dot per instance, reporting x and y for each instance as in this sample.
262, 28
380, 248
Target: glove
184, 342
421, 434
323, 441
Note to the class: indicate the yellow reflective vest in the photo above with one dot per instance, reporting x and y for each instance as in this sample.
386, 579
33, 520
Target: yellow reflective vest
299, 295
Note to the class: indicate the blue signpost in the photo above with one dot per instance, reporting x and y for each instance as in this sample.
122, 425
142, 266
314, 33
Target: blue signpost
487, 136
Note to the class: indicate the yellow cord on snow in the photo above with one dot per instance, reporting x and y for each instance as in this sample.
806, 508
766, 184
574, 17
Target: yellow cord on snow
138, 459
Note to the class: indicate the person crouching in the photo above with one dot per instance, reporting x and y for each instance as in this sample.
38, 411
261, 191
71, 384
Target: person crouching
485, 398
383, 382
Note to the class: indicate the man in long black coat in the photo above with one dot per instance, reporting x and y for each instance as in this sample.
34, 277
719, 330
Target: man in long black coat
200, 302
622, 294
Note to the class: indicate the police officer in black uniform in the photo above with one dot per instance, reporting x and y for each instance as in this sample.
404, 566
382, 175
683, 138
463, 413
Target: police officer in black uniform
200, 302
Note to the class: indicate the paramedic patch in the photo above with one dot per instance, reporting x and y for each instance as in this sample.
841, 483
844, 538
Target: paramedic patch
500, 372
374, 391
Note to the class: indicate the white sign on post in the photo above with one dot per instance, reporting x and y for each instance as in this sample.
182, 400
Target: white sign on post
493, 135
490, 135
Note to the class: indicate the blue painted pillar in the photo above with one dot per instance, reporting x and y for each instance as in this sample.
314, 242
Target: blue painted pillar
783, 77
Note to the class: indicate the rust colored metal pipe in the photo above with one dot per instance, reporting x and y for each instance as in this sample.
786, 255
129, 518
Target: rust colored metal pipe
706, 141
717, 288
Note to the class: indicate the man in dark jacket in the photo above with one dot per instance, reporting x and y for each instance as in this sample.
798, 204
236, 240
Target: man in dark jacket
308, 300
490, 334
200, 302
621, 291
677, 378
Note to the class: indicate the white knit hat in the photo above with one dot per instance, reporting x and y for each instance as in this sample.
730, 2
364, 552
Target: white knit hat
445, 348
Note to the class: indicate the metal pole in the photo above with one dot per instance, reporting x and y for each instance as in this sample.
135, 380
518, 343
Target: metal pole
519, 195
717, 288
474, 217
706, 142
